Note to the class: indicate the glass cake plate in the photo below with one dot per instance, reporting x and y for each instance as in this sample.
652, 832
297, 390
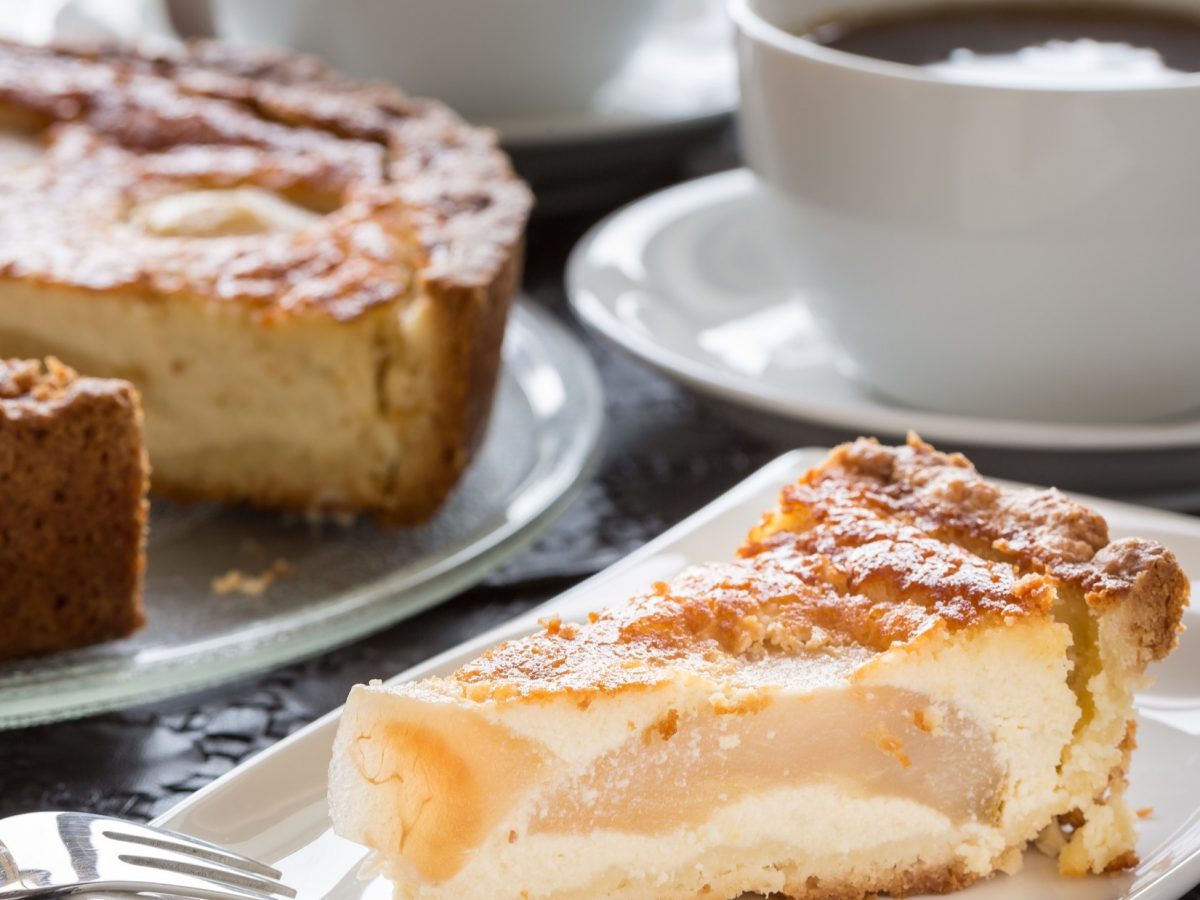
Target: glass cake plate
332, 582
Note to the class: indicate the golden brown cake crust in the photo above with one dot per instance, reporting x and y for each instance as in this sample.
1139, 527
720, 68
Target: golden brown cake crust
36, 388
1042, 530
841, 576
73, 521
871, 550
905, 883
712, 619
408, 186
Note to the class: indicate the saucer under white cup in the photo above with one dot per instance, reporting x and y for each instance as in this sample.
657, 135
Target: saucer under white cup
681, 79
624, 70
483, 57
678, 78
687, 281
981, 249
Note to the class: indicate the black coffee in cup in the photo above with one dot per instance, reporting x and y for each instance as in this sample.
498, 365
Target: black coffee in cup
1028, 41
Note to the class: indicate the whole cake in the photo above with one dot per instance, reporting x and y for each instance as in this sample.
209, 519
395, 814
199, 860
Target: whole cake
908, 676
73, 516
307, 278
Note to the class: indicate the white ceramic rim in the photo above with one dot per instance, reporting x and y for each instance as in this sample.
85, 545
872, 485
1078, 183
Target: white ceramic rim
574, 129
752, 25
650, 214
597, 126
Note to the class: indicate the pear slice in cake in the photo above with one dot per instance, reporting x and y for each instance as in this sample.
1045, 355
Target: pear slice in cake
908, 675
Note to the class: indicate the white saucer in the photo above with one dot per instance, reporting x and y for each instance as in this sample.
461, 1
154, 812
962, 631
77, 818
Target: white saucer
683, 77
685, 281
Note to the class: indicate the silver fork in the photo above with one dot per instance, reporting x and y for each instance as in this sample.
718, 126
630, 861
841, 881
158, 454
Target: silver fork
46, 854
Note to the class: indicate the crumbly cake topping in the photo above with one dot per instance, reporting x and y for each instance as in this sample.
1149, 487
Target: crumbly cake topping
866, 553
30, 380
397, 186
721, 621
944, 494
710, 621
1038, 530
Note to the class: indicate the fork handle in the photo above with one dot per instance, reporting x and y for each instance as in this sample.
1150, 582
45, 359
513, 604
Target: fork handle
15, 890
18, 891
8, 892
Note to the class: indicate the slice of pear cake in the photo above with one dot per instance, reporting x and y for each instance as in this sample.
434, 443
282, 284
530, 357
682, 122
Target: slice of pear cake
908, 675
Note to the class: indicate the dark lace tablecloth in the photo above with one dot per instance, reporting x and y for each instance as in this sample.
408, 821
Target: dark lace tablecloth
666, 453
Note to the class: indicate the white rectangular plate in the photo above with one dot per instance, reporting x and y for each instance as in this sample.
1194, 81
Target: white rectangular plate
273, 807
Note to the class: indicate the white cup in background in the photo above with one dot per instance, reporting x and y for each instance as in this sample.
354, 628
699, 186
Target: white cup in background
1025, 252
486, 58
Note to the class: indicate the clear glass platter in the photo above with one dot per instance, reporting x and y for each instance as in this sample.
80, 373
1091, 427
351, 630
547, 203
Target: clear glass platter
337, 581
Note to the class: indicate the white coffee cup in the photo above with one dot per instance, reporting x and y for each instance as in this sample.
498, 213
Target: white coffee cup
487, 58
1023, 252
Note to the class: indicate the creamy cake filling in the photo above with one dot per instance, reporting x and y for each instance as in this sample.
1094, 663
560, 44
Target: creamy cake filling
320, 395
220, 213
881, 741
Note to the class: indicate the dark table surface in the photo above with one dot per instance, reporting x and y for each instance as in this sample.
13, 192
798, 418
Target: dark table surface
666, 453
